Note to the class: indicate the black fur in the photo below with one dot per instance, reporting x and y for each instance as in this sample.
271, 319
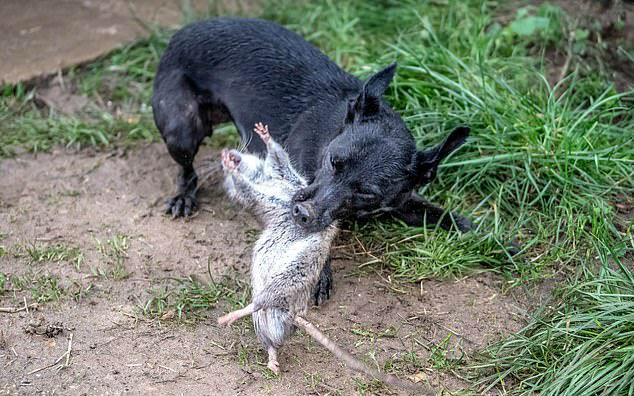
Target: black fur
358, 155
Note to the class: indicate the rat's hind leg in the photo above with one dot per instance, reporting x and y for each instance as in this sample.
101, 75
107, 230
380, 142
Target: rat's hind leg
274, 365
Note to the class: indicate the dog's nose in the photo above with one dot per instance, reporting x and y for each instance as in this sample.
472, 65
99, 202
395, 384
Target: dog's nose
302, 214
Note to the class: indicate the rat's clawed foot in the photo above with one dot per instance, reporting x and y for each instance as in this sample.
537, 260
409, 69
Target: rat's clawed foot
263, 131
274, 366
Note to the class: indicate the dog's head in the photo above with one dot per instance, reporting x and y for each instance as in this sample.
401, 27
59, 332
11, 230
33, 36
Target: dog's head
372, 165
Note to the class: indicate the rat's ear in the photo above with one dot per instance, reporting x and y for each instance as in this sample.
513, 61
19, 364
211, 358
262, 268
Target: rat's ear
426, 162
367, 103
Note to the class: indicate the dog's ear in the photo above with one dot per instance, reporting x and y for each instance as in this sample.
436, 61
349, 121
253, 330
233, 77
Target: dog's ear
425, 163
367, 103
376, 85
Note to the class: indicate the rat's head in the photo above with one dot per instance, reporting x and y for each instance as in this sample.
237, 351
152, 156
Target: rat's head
372, 165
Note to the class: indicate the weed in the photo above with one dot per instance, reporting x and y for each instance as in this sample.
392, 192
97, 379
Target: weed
312, 380
43, 288
46, 288
440, 358
191, 299
372, 335
403, 363
57, 252
373, 387
114, 252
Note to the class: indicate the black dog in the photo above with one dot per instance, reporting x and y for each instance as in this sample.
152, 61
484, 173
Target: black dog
356, 152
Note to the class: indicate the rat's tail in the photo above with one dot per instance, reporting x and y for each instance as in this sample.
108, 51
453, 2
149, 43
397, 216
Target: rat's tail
356, 364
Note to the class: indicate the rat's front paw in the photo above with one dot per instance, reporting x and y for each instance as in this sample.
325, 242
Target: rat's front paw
263, 131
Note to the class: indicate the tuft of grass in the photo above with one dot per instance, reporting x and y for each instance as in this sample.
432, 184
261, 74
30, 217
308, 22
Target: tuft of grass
581, 345
405, 363
43, 287
441, 357
114, 251
191, 299
371, 387
56, 252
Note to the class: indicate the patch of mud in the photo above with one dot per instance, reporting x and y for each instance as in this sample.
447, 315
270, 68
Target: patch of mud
81, 198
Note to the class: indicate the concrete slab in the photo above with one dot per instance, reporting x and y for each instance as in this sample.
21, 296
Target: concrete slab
40, 37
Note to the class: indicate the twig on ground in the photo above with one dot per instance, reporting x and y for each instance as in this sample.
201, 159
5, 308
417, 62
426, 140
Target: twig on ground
59, 359
70, 348
18, 309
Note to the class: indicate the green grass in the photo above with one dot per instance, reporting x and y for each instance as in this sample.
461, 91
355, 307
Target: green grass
544, 164
582, 345
42, 287
190, 299
37, 253
113, 252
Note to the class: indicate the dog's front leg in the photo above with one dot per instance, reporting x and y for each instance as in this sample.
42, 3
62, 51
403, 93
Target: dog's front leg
417, 211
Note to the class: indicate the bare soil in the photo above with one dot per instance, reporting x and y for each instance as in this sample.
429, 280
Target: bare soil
81, 197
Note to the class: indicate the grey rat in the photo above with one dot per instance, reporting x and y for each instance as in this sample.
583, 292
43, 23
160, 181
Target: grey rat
287, 259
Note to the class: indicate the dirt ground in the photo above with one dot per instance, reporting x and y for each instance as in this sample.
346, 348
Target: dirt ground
78, 197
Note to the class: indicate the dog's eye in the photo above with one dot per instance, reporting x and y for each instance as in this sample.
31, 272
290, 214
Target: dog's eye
336, 163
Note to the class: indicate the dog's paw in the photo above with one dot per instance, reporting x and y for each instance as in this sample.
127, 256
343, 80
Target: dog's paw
462, 223
181, 205
323, 288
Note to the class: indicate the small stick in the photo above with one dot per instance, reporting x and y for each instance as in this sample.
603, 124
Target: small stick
20, 309
70, 347
59, 359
